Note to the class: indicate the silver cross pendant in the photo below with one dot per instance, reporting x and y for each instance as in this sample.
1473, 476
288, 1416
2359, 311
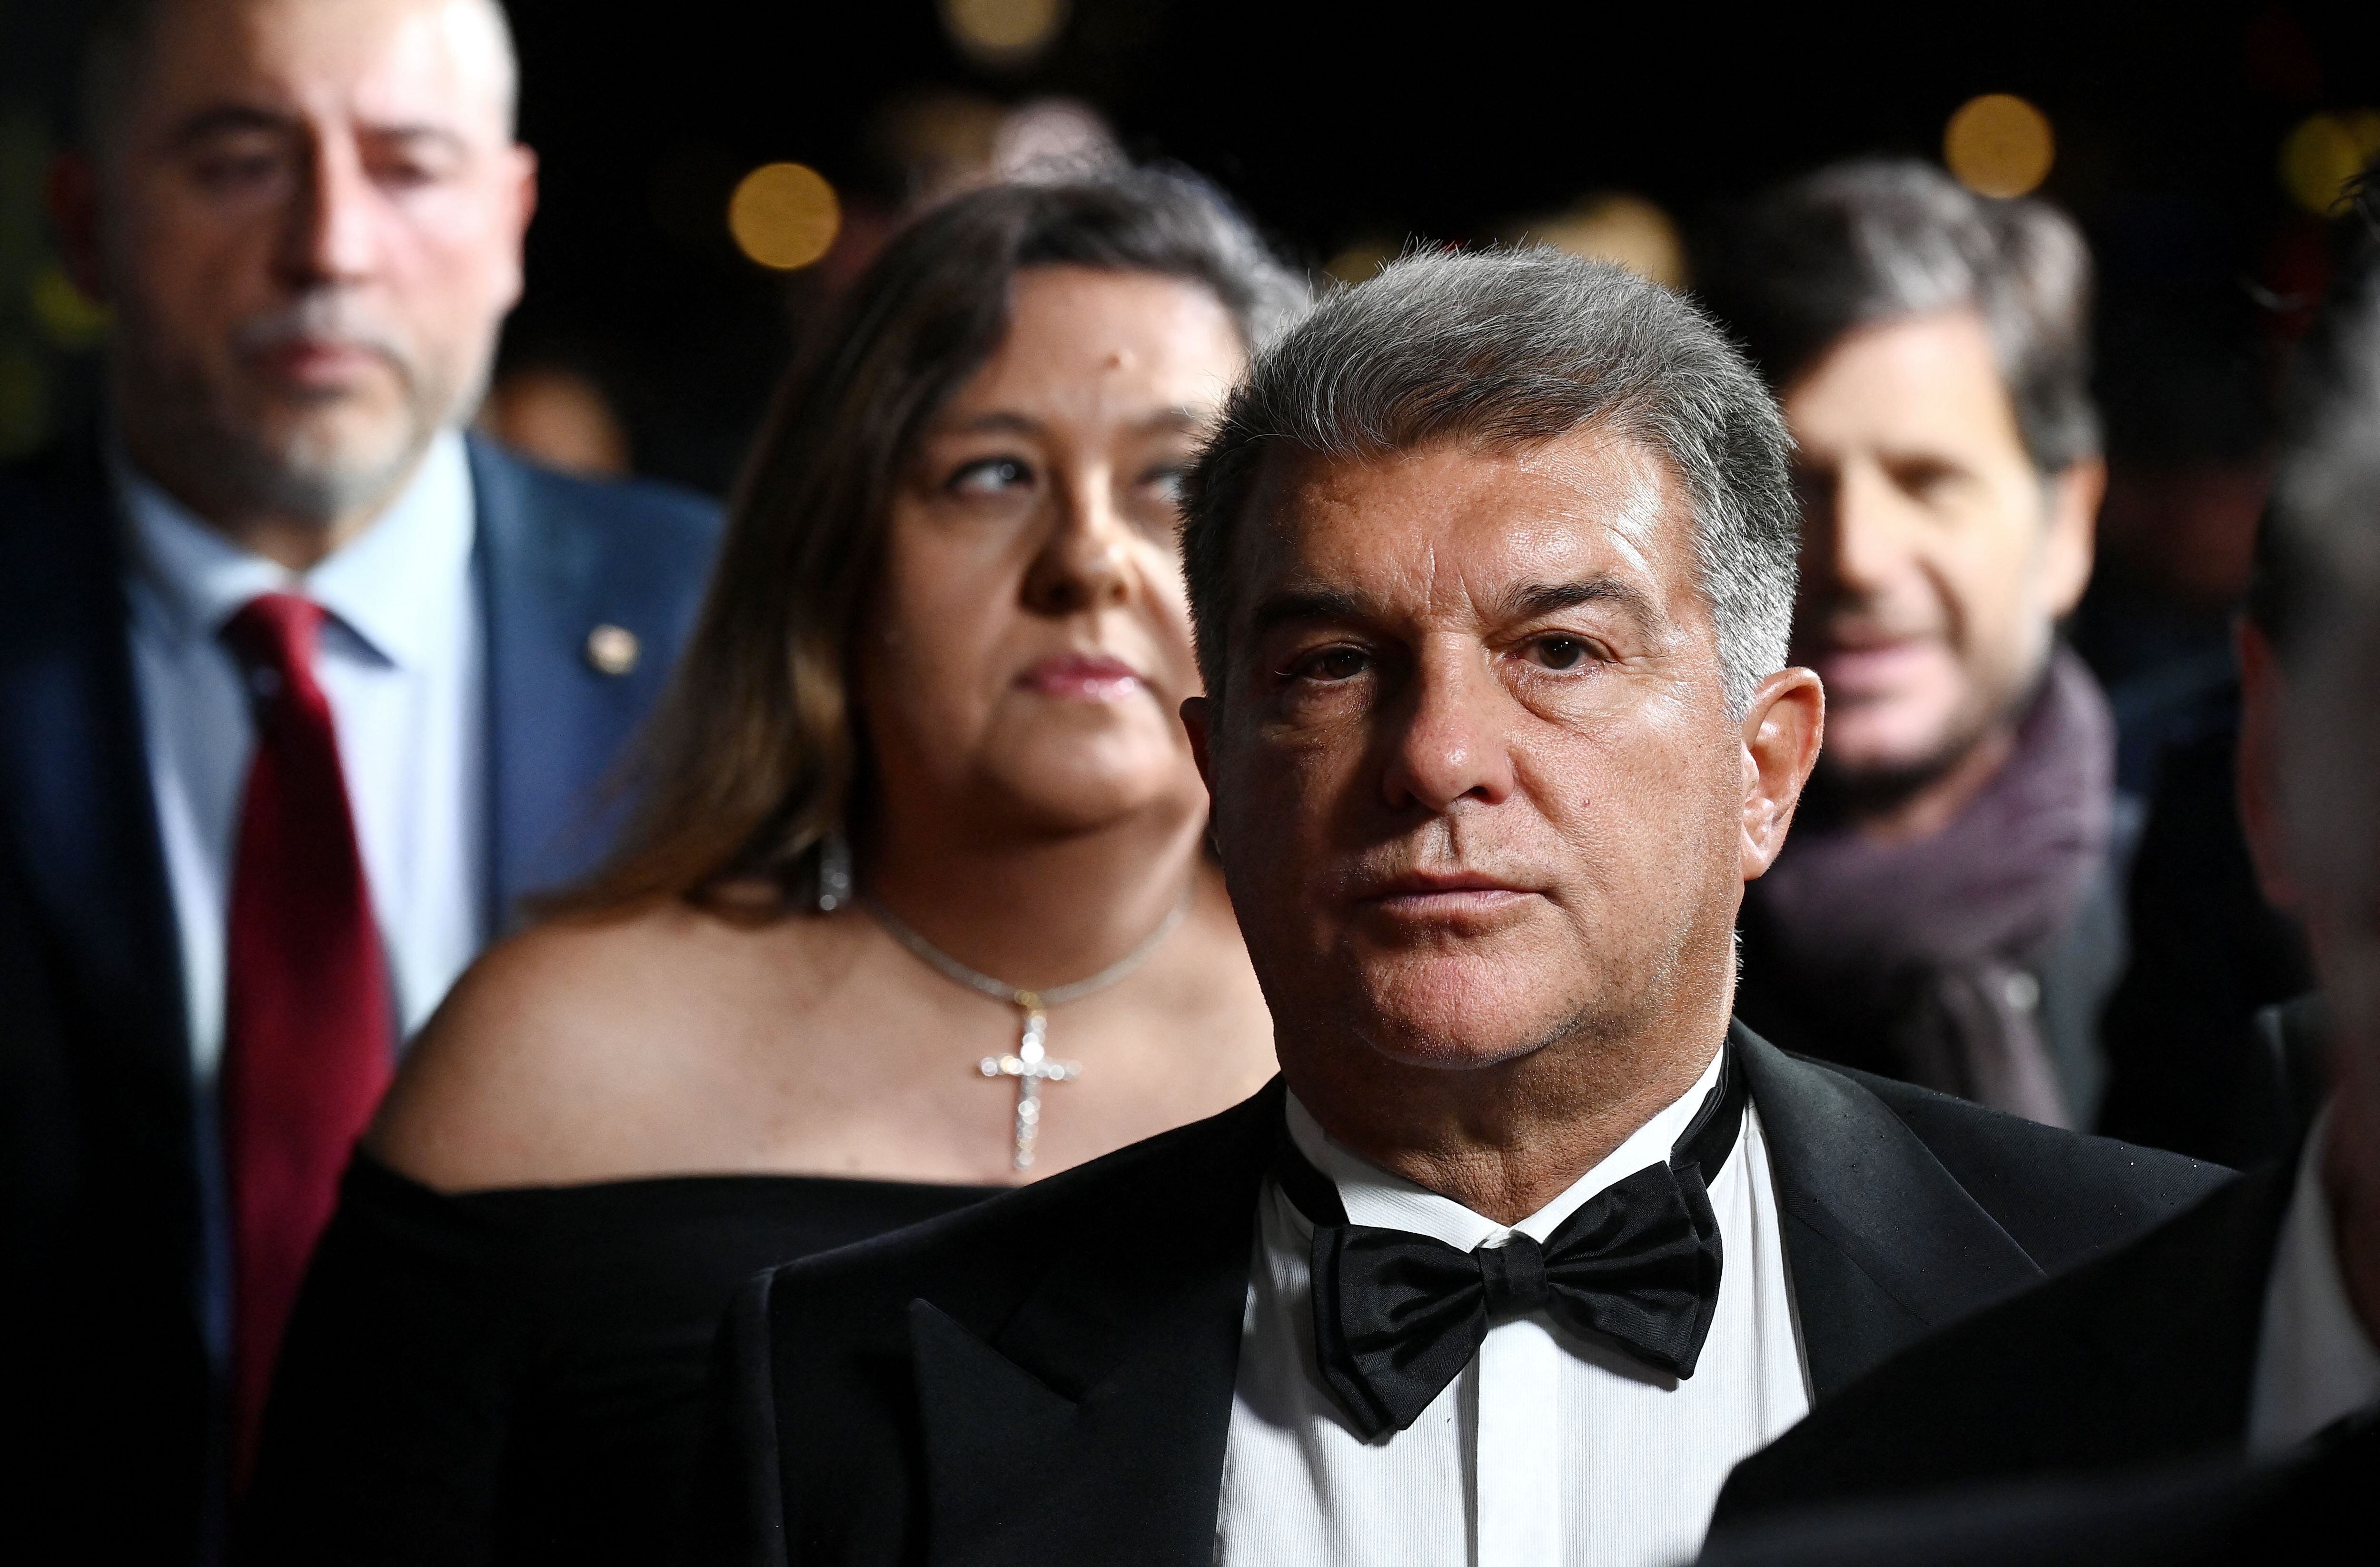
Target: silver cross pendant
1031, 1068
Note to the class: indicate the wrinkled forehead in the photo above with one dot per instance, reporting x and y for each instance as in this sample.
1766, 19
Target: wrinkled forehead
442, 64
1449, 532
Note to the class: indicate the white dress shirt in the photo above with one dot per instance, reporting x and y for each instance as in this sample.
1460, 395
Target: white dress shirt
400, 661
1545, 1449
2314, 1361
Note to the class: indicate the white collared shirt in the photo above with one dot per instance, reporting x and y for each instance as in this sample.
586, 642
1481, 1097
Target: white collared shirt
1545, 1449
400, 662
2314, 1361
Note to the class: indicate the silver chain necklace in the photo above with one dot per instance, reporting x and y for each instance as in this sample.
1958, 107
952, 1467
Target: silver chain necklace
1029, 1064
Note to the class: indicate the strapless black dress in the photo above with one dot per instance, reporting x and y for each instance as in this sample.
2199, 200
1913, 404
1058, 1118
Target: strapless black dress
518, 1376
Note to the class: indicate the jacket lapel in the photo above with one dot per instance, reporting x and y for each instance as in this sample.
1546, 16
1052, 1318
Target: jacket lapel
1091, 1427
1883, 1244
553, 721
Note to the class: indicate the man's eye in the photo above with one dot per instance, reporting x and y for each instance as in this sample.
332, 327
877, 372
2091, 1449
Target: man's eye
1328, 665
1930, 484
991, 475
1559, 652
1167, 483
401, 174
228, 171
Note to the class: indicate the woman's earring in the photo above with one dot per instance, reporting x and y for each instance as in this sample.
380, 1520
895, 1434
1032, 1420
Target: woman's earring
834, 872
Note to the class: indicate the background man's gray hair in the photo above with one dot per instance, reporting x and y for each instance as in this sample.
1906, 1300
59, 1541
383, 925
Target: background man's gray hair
2318, 547
1507, 349
1863, 243
114, 62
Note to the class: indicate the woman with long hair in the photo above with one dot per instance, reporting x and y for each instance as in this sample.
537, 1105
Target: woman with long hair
912, 903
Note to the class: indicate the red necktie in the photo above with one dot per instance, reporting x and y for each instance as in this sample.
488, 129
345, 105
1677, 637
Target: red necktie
308, 1028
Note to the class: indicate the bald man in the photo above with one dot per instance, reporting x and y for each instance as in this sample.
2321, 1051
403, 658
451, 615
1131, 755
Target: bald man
300, 688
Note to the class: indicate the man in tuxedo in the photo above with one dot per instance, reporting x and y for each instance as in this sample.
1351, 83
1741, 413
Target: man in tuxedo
300, 688
1491, 564
2251, 1322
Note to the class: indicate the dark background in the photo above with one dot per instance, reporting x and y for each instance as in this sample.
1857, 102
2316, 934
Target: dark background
1343, 124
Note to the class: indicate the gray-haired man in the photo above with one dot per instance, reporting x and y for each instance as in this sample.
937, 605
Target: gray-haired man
1491, 562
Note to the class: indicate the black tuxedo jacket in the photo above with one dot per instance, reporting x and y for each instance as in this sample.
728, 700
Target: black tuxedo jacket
1047, 1378
103, 1366
2143, 1356
2209, 1512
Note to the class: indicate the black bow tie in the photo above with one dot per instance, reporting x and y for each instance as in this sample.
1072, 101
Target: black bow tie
1398, 1315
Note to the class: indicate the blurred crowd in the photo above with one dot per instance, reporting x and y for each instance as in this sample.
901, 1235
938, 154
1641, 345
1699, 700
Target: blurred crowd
464, 910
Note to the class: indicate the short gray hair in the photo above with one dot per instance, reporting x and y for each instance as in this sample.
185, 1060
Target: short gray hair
1508, 349
1863, 243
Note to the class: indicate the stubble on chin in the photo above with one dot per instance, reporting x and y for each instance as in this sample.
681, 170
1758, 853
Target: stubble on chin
321, 459
1401, 1012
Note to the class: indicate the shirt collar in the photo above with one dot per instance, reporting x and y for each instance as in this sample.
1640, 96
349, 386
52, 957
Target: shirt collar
1373, 1197
397, 586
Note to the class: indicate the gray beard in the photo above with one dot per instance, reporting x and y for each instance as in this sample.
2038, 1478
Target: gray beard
302, 479
307, 485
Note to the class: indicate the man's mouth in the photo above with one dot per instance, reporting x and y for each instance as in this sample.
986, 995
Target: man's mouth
317, 361
1421, 894
1852, 669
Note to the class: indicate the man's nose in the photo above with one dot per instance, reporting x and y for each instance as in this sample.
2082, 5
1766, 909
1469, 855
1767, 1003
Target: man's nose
1084, 559
1450, 743
1860, 536
331, 234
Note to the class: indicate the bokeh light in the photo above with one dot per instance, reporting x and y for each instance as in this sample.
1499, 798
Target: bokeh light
1004, 32
2325, 154
1999, 145
783, 216
1615, 226
69, 318
558, 416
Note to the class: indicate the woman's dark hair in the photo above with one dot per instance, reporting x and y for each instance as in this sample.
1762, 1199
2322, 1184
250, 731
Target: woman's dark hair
752, 760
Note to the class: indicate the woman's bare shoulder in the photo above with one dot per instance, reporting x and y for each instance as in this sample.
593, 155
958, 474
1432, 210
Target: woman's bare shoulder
554, 1058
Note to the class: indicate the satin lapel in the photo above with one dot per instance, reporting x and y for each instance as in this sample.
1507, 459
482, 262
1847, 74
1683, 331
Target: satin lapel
1883, 1244
1091, 1427
75, 802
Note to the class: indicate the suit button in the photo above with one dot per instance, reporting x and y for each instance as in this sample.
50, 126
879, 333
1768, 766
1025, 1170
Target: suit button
612, 650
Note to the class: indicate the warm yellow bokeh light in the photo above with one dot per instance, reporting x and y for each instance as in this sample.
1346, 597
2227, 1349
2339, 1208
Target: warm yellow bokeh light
1003, 31
783, 216
1999, 145
2323, 153
1617, 228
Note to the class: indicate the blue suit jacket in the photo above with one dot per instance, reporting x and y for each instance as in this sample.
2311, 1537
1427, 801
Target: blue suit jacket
101, 1362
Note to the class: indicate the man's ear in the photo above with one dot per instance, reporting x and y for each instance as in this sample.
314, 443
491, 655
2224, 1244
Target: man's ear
525, 198
2073, 521
73, 211
1781, 731
2264, 698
